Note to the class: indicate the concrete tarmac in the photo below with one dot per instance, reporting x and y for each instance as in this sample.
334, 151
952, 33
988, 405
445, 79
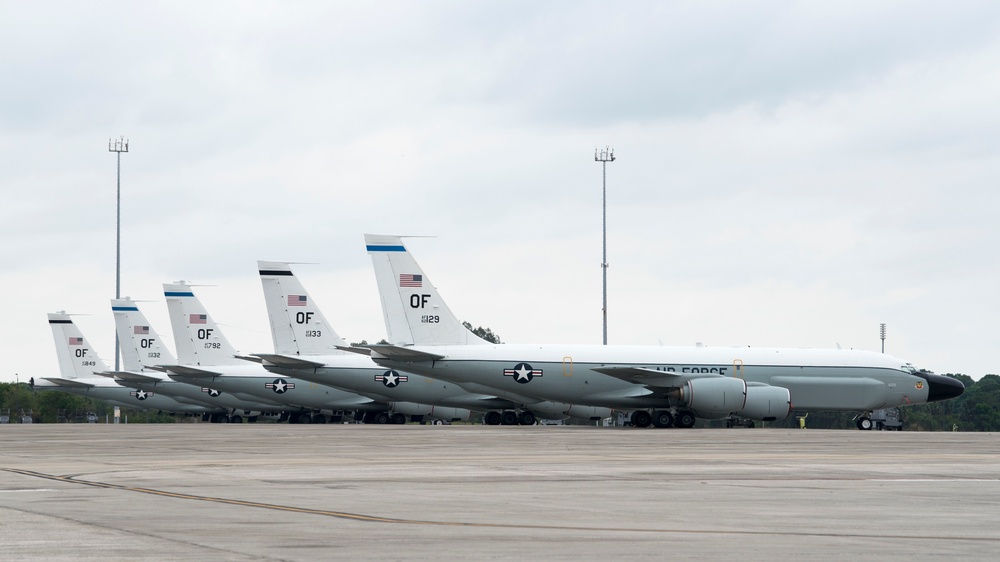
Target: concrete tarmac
302, 492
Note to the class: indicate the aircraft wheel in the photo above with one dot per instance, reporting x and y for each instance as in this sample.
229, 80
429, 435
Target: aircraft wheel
641, 418
319, 418
684, 420
662, 418
491, 418
223, 419
437, 422
398, 418
508, 417
236, 419
751, 424
526, 418
382, 418
865, 423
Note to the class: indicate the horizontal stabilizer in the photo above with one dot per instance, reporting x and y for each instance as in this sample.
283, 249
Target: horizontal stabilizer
358, 350
652, 377
287, 361
250, 358
191, 371
68, 383
399, 353
131, 376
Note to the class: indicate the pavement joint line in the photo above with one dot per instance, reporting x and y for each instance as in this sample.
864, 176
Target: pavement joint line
389, 520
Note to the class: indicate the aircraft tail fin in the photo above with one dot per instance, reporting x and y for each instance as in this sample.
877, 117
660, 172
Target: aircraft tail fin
77, 359
141, 346
414, 312
298, 327
198, 338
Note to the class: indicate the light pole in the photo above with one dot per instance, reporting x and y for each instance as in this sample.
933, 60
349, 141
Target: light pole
604, 156
881, 329
118, 146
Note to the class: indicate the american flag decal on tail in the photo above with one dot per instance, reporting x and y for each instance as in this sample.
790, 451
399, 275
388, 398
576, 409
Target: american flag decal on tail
411, 280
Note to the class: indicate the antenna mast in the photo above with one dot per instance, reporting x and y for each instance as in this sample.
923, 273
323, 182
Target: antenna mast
604, 156
118, 146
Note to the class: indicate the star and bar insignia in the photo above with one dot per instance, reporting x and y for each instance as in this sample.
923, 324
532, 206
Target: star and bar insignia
391, 379
522, 373
280, 386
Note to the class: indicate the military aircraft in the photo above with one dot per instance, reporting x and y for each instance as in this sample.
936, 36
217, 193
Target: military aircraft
78, 364
297, 321
207, 359
143, 350
663, 386
284, 292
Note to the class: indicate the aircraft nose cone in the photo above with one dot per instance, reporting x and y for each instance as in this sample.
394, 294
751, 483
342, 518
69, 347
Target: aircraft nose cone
941, 387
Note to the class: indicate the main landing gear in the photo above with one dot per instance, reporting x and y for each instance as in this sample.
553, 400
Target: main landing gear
380, 418
509, 417
663, 418
225, 418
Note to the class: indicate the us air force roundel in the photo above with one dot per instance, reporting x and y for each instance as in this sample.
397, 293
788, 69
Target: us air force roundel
211, 392
140, 394
391, 379
280, 386
522, 373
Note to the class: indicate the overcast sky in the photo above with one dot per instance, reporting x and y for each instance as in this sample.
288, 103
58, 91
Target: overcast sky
788, 174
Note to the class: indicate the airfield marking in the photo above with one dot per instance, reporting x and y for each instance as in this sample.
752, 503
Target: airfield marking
377, 519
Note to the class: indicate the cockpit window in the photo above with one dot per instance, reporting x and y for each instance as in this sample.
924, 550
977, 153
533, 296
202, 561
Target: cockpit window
908, 368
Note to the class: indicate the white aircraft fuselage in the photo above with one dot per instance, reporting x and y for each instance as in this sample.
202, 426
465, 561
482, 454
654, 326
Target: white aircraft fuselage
816, 379
252, 381
359, 374
107, 390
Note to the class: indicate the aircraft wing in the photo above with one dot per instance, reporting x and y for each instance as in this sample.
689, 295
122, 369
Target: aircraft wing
399, 353
191, 371
68, 383
651, 377
288, 361
131, 376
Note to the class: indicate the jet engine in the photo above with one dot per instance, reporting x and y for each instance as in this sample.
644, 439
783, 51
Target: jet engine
715, 395
766, 403
438, 412
588, 412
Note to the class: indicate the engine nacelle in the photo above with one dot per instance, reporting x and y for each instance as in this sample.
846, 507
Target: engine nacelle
719, 395
767, 403
450, 414
437, 412
587, 412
